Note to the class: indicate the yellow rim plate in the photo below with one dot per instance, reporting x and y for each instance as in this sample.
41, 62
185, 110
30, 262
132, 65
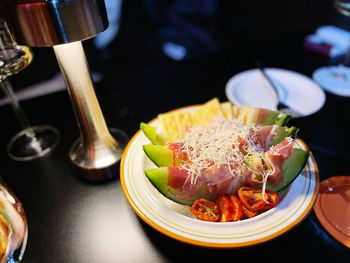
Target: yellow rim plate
175, 221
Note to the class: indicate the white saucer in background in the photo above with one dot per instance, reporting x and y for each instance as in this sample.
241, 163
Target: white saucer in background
325, 77
298, 91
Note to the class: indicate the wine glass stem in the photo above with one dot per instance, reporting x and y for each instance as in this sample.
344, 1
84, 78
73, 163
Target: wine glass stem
8, 90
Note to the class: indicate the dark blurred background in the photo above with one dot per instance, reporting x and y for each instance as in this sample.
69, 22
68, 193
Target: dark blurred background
221, 38
166, 54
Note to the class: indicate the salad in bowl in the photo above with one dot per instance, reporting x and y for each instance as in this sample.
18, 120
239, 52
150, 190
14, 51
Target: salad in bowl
223, 162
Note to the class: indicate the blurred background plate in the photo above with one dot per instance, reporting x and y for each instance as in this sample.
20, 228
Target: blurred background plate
334, 79
297, 91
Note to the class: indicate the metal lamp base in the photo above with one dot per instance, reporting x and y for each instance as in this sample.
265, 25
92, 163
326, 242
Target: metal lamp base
100, 168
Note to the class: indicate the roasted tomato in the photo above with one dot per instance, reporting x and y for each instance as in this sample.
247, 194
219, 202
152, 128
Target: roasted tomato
226, 207
272, 199
230, 207
247, 213
206, 210
238, 207
252, 198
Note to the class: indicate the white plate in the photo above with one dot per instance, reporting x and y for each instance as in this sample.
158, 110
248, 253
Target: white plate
297, 91
325, 77
176, 221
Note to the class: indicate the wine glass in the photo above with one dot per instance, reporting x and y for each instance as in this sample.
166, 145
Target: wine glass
13, 226
336, 78
32, 141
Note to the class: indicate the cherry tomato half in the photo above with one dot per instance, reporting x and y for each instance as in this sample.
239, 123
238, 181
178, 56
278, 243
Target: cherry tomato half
226, 207
230, 207
272, 198
238, 207
206, 210
252, 198
247, 213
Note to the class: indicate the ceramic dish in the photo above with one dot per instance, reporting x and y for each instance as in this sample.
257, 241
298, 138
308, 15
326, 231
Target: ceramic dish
176, 221
297, 91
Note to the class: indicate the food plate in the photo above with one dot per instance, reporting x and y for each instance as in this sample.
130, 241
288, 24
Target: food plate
332, 207
297, 91
176, 221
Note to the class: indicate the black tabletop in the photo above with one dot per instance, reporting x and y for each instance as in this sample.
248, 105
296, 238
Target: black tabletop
72, 220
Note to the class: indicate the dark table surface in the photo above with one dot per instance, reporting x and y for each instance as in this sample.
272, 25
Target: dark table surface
71, 220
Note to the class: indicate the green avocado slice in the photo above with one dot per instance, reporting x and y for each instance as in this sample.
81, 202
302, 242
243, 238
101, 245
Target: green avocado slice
159, 155
291, 169
151, 133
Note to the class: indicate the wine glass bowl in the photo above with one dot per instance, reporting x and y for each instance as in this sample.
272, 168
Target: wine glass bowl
14, 59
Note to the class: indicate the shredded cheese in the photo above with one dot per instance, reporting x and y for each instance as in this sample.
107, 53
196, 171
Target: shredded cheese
218, 144
271, 134
230, 144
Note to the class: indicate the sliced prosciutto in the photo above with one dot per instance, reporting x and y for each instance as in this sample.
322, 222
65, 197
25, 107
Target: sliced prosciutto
262, 115
265, 134
221, 158
220, 180
216, 180
207, 158
276, 156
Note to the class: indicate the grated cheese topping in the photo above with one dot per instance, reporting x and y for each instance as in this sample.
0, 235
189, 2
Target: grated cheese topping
219, 143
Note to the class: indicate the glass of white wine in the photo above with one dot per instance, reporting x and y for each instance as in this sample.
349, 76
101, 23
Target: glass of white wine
32, 141
336, 78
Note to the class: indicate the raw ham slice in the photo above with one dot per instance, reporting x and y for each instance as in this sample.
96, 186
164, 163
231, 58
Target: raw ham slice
265, 135
177, 177
178, 153
223, 178
226, 187
252, 180
218, 180
276, 156
262, 115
